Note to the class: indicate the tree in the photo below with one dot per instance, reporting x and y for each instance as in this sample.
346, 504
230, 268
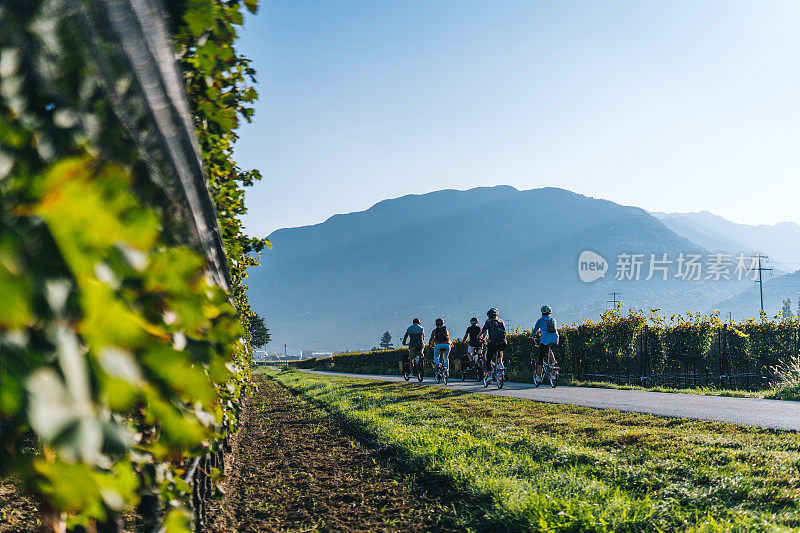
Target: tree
786, 310
259, 333
386, 340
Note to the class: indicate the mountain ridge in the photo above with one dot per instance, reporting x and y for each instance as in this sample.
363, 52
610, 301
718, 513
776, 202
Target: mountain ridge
341, 283
780, 241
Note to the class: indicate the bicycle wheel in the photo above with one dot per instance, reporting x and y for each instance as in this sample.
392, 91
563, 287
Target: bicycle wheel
486, 380
406, 375
536, 380
500, 380
553, 378
444, 378
438, 377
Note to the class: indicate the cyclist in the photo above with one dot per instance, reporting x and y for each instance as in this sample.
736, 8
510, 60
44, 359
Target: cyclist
475, 341
440, 341
415, 340
498, 341
549, 336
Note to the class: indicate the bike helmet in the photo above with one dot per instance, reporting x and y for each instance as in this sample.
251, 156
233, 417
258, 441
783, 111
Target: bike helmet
492, 312
415, 321
546, 310
439, 322
473, 321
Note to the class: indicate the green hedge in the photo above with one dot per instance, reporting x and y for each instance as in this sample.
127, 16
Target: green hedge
682, 350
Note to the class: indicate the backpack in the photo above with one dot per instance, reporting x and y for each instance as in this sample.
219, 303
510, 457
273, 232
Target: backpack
551, 325
497, 331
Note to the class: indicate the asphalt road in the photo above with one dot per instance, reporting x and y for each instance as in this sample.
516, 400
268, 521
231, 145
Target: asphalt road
773, 414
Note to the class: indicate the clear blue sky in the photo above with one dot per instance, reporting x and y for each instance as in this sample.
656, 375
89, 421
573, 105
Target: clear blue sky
673, 105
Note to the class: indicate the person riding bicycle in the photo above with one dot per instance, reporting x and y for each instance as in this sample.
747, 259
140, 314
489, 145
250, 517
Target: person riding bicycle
440, 341
474, 345
415, 339
498, 340
546, 325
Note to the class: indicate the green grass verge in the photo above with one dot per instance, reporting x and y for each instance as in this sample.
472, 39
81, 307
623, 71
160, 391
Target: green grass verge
705, 391
788, 392
554, 467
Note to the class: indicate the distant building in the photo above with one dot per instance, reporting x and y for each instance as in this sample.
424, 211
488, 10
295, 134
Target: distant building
308, 354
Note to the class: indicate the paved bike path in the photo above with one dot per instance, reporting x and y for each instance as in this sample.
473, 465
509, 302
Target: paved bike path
772, 414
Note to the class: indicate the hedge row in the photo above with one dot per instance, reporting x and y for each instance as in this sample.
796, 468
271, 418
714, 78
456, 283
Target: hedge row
631, 348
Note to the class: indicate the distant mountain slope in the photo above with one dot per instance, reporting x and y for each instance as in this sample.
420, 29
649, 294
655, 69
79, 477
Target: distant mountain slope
780, 241
747, 303
342, 283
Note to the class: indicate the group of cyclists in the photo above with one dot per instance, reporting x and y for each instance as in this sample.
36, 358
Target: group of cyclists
493, 335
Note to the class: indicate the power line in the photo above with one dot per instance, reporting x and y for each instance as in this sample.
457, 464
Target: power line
760, 282
614, 298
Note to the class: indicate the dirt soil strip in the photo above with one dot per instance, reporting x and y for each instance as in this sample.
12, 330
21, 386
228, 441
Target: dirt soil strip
293, 469
18, 513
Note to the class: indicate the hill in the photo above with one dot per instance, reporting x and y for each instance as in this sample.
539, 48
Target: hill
340, 284
746, 304
779, 241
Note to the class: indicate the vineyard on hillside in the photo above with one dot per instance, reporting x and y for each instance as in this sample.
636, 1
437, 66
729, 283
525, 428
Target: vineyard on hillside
122, 256
683, 351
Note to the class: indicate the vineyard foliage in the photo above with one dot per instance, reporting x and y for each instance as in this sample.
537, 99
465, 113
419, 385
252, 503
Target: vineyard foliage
219, 81
121, 357
631, 346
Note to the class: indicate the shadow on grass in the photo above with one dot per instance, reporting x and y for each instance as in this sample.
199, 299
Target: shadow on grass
415, 392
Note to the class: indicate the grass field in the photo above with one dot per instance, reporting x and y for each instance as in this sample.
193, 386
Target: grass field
555, 467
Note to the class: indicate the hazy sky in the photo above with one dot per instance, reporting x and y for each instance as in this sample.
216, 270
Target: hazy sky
668, 105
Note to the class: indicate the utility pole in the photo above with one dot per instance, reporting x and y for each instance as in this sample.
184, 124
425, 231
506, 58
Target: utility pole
284, 351
614, 299
760, 282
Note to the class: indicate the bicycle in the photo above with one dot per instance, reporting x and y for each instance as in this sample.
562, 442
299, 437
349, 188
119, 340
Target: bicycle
442, 374
410, 367
497, 375
418, 368
477, 366
549, 370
